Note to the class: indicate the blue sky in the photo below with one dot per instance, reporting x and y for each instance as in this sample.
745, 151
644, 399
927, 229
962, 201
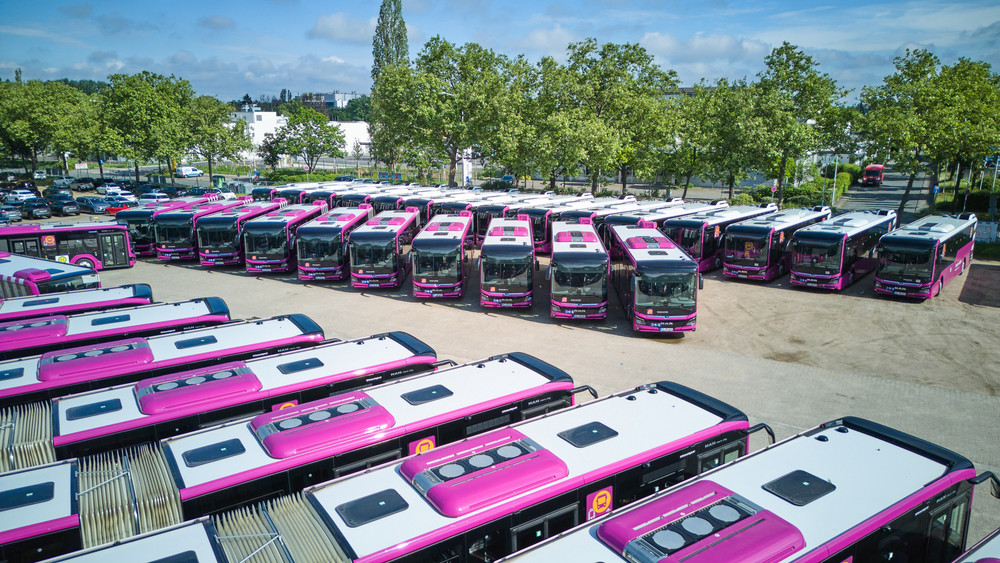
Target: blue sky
227, 49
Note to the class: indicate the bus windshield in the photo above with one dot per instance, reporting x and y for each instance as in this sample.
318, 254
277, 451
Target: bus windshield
746, 250
374, 256
905, 263
580, 282
173, 230
688, 238
507, 273
140, 231
222, 236
666, 292
436, 264
270, 241
320, 248
816, 256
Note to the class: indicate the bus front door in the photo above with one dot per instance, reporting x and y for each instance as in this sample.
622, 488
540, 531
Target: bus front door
114, 250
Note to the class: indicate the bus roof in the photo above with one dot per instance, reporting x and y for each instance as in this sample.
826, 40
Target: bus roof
33, 269
444, 227
780, 220
389, 411
508, 232
568, 237
647, 245
287, 214
393, 221
252, 208
804, 491
848, 224
577, 445
725, 215
932, 228
336, 219
74, 301
664, 213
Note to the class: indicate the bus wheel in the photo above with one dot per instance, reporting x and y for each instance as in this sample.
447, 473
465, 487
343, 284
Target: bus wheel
937, 288
850, 277
781, 270
86, 263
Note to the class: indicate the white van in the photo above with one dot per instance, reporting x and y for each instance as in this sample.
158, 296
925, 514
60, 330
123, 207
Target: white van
188, 172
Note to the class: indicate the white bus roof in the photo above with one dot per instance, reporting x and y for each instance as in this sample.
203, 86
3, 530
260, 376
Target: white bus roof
932, 228
410, 403
444, 227
783, 219
23, 307
661, 214
286, 214
849, 224
393, 220
10, 264
648, 244
628, 422
506, 232
825, 481
575, 237
190, 541
726, 214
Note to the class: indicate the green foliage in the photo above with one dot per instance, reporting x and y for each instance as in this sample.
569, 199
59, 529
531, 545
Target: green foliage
742, 199
978, 202
210, 137
496, 185
988, 251
854, 170
308, 136
389, 45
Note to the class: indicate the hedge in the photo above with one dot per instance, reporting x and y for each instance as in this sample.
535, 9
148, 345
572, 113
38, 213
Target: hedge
808, 194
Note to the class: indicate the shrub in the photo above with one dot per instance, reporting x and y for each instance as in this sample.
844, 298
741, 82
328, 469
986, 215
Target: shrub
496, 185
742, 199
853, 170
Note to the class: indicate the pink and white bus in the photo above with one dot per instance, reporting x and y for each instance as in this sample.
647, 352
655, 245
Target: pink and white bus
440, 256
760, 248
263, 457
846, 491
504, 208
578, 272
180, 402
322, 246
656, 281
656, 216
701, 235
270, 241
507, 263
95, 244
380, 249
921, 257
82, 368
27, 275
42, 334
497, 493
220, 235
835, 253
66, 302
176, 231
544, 214
139, 220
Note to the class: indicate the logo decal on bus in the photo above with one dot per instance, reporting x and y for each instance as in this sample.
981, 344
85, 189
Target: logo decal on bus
422, 445
599, 502
283, 406
49, 240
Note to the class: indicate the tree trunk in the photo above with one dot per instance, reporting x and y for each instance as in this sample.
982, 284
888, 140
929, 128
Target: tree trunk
210, 170
732, 183
452, 165
687, 182
622, 170
906, 195
781, 179
552, 182
136, 163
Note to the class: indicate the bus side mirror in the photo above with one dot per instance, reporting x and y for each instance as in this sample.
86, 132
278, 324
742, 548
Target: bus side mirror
701, 282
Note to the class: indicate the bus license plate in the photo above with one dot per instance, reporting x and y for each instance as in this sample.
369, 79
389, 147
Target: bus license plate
741, 275
903, 293
811, 283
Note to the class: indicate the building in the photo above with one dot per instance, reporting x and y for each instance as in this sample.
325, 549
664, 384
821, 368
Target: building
259, 123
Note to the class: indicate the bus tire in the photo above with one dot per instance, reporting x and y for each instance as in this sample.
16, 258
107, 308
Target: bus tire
937, 288
86, 263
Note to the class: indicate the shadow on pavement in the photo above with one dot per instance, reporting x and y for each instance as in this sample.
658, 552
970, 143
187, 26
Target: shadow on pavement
981, 286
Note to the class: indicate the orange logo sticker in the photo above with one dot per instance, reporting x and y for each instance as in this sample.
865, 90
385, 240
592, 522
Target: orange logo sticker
422, 445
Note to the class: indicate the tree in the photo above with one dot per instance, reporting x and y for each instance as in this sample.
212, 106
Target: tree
309, 136
622, 92
389, 45
33, 114
145, 114
804, 94
212, 136
270, 151
357, 151
901, 114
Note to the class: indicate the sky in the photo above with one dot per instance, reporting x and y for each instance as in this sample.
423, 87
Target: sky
258, 47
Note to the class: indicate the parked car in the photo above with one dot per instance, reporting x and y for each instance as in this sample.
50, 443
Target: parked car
35, 208
63, 205
102, 186
27, 185
116, 191
53, 191
83, 184
95, 205
18, 196
13, 212
188, 172
118, 201
39, 175
149, 197
63, 181
507, 178
172, 191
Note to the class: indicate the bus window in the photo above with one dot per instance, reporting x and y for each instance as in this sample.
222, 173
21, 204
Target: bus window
948, 530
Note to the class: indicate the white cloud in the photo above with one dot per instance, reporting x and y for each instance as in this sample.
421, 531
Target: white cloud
341, 27
42, 34
552, 41
332, 59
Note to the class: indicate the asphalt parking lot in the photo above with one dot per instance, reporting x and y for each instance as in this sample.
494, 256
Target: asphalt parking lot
786, 356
